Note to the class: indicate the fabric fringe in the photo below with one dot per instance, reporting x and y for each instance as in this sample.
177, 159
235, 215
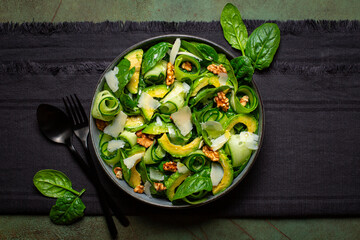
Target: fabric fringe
30, 67
286, 27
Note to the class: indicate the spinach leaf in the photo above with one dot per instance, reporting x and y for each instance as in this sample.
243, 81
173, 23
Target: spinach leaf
234, 29
123, 66
129, 104
262, 45
124, 79
53, 183
207, 52
196, 183
153, 55
67, 209
243, 68
201, 50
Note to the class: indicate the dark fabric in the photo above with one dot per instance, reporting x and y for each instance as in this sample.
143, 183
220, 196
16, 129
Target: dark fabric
309, 164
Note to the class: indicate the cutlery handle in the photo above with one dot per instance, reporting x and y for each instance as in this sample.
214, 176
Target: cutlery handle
117, 212
103, 203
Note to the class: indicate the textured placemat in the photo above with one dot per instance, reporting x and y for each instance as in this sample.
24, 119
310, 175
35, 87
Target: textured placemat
309, 164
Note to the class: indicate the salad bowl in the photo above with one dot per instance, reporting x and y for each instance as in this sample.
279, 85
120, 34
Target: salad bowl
95, 133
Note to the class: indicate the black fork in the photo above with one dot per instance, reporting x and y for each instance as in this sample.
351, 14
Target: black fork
77, 113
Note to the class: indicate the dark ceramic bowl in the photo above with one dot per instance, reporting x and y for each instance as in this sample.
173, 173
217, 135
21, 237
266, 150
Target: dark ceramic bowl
95, 132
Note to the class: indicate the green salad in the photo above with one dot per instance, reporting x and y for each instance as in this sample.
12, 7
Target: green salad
179, 121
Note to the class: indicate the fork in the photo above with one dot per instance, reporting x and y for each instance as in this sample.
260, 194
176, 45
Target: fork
77, 113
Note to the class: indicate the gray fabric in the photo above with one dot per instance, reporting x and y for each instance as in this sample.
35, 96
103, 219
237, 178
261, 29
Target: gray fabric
309, 164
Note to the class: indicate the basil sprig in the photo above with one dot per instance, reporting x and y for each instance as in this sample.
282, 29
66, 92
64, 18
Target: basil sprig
55, 184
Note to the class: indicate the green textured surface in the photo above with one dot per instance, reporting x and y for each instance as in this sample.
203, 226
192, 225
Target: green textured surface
40, 227
164, 10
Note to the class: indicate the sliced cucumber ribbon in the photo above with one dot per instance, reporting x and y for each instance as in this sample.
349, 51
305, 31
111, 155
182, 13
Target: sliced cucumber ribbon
106, 106
242, 91
196, 162
182, 74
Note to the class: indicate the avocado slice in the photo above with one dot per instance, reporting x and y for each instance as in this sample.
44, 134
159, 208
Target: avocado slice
135, 58
155, 128
173, 182
157, 91
250, 122
178, 150
228, 173
135, 123
203, 82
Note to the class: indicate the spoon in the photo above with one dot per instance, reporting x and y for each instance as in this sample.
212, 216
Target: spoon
56, 126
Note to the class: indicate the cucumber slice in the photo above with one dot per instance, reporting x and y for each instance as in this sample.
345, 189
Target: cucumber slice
238, 151
129, 137
156, 175
168, 108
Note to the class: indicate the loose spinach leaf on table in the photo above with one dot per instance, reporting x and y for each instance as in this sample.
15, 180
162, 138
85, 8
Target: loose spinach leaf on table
153, 55
243, 68
67, 209
234, 29
53, 183
200, 181
262, 45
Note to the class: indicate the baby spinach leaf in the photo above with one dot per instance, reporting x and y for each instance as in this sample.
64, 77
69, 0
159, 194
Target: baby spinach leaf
200, 181
243, 68
123, 79
123, 66
207, 52
262, 45
67, 209
234, 29
53, 183
153, 55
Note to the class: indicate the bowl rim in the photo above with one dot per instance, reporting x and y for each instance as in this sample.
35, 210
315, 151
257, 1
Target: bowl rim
236, 180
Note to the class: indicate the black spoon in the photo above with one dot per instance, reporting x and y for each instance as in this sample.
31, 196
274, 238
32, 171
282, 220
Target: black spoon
56, 126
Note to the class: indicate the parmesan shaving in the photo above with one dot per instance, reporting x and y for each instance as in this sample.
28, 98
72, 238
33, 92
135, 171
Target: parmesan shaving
117, 126
114, 145
182, 120
130, 161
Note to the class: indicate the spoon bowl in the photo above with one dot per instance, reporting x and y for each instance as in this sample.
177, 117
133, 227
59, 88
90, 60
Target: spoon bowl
54, 124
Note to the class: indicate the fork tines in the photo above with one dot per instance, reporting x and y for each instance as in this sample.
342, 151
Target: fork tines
75, 110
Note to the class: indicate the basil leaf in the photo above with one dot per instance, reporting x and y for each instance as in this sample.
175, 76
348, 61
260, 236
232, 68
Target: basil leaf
262, 45
243, 68
200, 181
53, 183
234, 29
153, 55
67, 209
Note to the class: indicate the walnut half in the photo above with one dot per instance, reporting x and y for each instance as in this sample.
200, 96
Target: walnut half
139, 189
100, 124
244, 100
170, 78
118, 172
159, 187
170, 166
213, 155
222, 101
216, 69
145, 140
